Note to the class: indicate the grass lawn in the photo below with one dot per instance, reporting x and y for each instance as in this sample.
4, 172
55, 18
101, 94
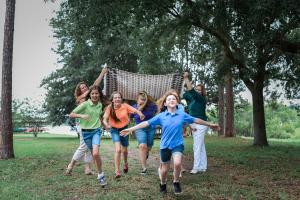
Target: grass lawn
236, 170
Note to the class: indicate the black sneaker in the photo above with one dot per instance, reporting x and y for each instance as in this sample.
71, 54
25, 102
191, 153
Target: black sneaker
163, 188
144, 171
177, 188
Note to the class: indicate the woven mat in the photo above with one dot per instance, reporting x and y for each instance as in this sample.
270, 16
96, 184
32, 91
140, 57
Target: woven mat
129, 84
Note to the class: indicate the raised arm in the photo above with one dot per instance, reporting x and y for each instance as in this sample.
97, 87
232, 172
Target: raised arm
82, 97
187, 81
101, 75
129, 130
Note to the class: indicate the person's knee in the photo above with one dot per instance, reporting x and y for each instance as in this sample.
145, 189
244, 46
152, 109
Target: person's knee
95, 153
143, 147
124, 150
118, 151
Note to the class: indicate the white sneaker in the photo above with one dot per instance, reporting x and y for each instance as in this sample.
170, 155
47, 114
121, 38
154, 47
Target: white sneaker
194, 171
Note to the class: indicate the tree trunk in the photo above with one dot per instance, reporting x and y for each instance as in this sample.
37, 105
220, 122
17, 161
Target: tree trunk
229, 127
259, 125
6, 136
221, 108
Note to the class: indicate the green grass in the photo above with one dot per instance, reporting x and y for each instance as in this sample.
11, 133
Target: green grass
236, 170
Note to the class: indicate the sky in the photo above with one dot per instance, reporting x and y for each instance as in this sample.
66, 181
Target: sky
33, 58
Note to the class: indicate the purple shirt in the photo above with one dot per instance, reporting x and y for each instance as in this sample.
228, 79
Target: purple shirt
148, 111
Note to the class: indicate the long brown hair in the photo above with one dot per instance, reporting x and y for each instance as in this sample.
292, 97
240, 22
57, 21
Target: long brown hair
147, 97
112, 109
77, 91
102, 98
203, 91
162, 100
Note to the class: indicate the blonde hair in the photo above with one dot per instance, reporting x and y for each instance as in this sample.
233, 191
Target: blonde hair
148, 99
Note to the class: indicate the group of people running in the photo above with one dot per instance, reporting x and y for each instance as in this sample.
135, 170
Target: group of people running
95, 111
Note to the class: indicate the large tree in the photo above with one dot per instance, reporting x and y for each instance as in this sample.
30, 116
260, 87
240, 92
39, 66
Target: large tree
255, 37
6, 128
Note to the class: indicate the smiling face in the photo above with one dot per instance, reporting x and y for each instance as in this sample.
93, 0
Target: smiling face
95, 96
83, 88
171, 101
117, 99
141, 100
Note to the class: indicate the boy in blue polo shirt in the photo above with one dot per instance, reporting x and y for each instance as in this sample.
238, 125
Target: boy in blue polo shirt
171, 121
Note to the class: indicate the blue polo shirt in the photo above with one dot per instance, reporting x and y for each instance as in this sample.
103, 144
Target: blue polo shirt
172, 126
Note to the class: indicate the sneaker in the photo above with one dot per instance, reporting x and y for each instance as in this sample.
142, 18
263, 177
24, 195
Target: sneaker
177, 188
194, 171
202, 170
118, 174
102, 181
163, 188
144, 171
125, 168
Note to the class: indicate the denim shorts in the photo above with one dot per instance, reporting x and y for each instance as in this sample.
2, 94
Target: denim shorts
145, 136
166, 154
91, 137
116, 137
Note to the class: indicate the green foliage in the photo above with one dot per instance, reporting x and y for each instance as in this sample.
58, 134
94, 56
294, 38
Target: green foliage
281, 121
28, 114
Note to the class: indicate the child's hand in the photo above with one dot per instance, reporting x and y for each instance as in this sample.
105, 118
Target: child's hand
185, 75
85, 117
107, 127
142, 116
125, 132
105, 69
215, 127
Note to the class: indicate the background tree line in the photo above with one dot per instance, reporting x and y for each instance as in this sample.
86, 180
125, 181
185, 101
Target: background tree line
222, 43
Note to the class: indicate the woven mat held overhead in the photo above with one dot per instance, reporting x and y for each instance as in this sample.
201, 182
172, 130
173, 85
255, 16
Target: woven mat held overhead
129, 84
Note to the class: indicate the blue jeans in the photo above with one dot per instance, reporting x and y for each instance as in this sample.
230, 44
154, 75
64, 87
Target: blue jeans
145, 136
166, 154
91, 137
115, 136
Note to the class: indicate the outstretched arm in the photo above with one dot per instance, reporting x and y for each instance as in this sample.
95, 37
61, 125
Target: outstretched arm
187, 81
142, 116
101, 75
205, 123
81, 116
129, 130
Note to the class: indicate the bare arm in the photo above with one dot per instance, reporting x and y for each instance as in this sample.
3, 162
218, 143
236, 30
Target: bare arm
142, 116
81, 116
129, 130
105, 118
82, 97
101, 75
187, 81
205, 123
